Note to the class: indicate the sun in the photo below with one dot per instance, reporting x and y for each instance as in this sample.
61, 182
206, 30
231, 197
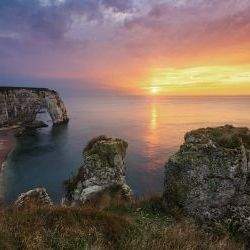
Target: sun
154, 90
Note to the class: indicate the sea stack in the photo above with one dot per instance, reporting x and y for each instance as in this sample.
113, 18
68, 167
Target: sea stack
100, 181
19, 106
209, 177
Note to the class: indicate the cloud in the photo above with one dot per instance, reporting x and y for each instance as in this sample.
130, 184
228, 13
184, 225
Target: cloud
51, 18
114, 40
118, 5
191, 25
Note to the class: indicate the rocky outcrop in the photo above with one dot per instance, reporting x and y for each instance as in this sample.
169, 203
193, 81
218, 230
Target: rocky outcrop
36, 198
20, 106
100, 182
209, 178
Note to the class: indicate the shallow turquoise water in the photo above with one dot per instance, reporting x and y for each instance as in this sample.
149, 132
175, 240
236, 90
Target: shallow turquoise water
153, 127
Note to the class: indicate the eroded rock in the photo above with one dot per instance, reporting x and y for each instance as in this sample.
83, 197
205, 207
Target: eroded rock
101, 180
35, 198
19, 106
209, 177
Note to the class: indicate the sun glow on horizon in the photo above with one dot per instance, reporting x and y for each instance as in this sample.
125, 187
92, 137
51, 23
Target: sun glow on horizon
227, 79
154, 90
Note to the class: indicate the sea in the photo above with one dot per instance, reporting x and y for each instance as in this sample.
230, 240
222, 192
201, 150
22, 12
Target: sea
154, 128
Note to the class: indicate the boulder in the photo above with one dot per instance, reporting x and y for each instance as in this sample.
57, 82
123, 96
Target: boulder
100, 181
36, 198
209, 177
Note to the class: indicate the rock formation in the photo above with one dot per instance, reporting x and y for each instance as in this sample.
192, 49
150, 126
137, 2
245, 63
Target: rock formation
209, 178
101, 180
36, 198
20, 106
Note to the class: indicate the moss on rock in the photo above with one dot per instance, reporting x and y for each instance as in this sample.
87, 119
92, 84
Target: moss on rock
209, 176
103, 172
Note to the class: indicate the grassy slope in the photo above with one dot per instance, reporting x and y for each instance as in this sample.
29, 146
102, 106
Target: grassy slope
143, 225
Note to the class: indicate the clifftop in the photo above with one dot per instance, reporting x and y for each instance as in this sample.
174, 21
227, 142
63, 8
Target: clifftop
226, 136
29, 88
9, 88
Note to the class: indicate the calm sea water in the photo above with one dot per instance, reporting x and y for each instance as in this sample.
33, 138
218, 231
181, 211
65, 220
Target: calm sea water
153, 127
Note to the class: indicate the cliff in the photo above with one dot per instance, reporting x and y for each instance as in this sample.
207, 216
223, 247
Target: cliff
20, 105
100, 182
209, 177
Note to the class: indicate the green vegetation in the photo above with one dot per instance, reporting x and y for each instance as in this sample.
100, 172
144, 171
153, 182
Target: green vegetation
94, 140
142, 225
227, 136
90, 145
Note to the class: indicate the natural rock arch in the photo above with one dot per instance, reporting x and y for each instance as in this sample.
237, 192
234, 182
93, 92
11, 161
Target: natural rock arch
20, 105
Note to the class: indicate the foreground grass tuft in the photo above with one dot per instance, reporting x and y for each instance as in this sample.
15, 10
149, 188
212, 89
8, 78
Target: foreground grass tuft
143, 225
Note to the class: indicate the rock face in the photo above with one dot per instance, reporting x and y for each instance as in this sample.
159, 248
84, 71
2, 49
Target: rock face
20, 106
209, 178
36, 198
101, 180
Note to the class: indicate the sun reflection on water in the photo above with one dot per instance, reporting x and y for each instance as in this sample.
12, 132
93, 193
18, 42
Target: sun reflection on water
152, 137
154, 117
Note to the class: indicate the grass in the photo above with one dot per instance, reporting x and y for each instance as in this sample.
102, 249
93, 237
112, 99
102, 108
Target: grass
95, 140
142, 225
227, 136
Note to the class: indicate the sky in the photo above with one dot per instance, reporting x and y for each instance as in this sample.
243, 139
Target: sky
140, 47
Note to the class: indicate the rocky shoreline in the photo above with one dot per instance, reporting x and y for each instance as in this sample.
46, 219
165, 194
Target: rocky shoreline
18, 109
7, 145
8, 141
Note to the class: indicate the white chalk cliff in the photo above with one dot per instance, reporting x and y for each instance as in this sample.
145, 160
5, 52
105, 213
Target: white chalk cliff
20, 106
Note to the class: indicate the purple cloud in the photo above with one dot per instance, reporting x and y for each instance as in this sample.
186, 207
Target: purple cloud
169, 27
52, 20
